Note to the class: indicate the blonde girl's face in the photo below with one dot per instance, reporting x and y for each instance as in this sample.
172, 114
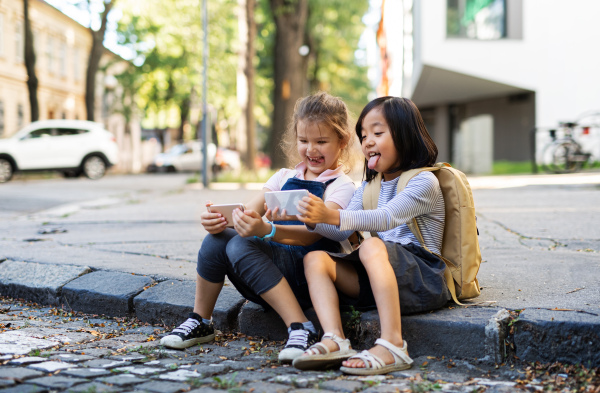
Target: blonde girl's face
377, 144
318, 146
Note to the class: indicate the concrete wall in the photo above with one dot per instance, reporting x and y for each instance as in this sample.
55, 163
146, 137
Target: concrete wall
555, 56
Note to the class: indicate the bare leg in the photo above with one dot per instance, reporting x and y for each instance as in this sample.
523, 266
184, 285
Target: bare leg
324, 275
206, 296
374, 257
283, 301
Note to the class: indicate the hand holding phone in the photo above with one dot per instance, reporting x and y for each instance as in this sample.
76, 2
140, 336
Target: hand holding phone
278, 201
226, 210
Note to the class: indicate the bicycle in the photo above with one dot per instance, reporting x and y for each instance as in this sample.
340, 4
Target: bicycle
565, 154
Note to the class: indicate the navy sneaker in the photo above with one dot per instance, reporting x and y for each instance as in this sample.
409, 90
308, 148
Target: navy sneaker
298, 341
191, 332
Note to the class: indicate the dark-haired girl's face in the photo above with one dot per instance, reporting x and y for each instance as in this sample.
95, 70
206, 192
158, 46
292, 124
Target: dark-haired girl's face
378, 145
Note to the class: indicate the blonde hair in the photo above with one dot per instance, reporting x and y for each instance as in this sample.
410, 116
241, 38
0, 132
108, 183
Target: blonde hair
322, 108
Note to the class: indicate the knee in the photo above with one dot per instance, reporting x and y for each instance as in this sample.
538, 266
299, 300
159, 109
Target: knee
314, 262
237, 248
372, 251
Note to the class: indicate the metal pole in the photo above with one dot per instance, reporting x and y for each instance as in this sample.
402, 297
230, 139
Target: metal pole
204, 93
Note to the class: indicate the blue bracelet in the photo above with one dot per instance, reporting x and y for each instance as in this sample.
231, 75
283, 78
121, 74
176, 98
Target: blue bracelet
270, 235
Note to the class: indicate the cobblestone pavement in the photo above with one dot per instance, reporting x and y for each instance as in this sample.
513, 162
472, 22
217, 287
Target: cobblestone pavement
46, 349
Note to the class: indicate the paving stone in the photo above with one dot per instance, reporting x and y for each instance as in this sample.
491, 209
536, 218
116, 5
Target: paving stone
309, 391
206, 390
106, 363
246, 376
24, 388
163, 387
301, 381
180, 375
225, 352
71, 358
140, 370
56, 381
28, 360
265, 387
243, 364
38, 282
104, 292
121, 380
96, 387
51, 366
19, 373
4, 383
131, 357
342, 386
86, 372
208, 370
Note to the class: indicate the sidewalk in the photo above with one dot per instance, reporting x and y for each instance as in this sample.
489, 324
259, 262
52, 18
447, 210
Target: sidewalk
136, 253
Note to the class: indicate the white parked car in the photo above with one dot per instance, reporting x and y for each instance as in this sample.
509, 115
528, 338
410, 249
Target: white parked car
184, 157
72, 147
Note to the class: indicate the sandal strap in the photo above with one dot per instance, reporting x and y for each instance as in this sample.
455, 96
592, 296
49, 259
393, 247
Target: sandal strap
317, 349
343, 344
397, 353
371, 361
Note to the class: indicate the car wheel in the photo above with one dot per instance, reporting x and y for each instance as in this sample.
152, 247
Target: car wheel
94, 167
6, 170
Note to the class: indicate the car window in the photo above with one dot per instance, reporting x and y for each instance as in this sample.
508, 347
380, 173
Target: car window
43, 132
71, 131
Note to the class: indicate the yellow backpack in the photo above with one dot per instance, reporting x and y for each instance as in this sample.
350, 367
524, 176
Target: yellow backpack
460, 245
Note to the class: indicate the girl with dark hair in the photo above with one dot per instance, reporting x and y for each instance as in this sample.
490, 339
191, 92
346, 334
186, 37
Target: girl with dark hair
387, 271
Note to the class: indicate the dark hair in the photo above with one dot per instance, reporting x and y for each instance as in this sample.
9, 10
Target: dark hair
415, 147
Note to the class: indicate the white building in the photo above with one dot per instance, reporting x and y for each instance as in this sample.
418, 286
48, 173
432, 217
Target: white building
486, 72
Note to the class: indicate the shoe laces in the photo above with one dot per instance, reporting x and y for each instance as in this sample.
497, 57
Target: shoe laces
187, 326
298, 337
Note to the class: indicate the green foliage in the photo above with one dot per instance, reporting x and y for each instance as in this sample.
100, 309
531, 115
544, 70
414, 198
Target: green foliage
511, 167
226, 383
334, 29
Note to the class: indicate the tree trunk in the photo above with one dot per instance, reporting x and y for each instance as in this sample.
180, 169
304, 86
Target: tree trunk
289, 71
94, 61
32, 80
184, 116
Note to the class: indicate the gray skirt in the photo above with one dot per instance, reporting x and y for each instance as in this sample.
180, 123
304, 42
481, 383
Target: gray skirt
419, 273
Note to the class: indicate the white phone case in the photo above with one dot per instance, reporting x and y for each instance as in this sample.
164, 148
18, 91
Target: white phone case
287, 200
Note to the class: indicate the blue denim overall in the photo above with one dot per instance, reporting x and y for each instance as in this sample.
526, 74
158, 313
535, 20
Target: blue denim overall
255, 266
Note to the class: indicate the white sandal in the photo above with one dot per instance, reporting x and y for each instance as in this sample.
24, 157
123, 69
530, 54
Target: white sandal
318, 356
375, 366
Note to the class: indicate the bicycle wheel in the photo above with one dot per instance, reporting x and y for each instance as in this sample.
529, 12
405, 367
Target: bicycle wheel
565, 157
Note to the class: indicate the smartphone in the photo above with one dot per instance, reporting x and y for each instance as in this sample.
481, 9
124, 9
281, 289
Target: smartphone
226, 211
287, 200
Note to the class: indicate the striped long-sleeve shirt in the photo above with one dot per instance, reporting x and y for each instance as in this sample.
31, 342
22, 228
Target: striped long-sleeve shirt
421, 199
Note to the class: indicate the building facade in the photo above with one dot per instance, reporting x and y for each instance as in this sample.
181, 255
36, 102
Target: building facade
62, 47
486, 73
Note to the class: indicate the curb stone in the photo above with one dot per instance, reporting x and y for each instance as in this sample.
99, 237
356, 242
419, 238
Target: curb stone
38, 282
104, 292
170, 301
444, 332
563, 336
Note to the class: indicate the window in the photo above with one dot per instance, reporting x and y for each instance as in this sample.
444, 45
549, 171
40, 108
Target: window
1, 118
19, 42
477, 19
70, 131
44, 132
76, 66
20, 116
63, 58
1, 35
50, 54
